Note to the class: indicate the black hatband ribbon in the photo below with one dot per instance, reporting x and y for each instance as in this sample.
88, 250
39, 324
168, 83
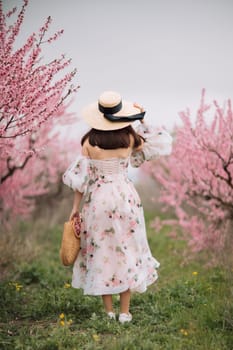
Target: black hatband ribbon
130, 118
109, 111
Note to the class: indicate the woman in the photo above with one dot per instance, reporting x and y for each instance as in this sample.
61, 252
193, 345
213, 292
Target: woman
115, 257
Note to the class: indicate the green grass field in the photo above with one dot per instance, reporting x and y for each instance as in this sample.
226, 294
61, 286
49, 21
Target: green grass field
189, 308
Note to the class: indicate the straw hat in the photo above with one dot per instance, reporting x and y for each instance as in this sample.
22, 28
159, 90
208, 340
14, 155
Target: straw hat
110, 112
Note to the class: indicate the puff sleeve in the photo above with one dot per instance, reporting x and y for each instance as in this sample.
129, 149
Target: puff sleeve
158, 142
76, 176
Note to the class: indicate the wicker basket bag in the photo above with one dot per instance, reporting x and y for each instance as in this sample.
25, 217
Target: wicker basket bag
70, 245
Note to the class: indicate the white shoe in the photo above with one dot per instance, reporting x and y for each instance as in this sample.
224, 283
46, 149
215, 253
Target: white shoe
125, 318
111, 315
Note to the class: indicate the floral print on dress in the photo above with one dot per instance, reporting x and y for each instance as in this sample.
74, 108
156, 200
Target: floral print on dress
115, 255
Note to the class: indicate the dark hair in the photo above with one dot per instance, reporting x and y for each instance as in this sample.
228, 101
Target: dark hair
112, 139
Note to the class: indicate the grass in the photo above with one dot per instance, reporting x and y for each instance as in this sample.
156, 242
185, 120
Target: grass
189, 308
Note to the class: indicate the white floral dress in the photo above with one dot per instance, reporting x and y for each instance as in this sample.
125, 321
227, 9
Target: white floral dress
115, 255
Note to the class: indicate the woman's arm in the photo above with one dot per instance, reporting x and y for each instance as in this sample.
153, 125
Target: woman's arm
76, 204
78, 195
139, 148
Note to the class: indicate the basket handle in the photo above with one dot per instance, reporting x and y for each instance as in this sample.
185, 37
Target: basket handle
76, 224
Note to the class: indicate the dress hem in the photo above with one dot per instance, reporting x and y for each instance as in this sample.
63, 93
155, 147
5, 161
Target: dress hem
136, 289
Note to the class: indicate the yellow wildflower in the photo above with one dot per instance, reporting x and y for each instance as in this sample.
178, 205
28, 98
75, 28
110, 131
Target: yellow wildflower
18, 287
67, 285
62, 323
195, 273
69, 322
184, 332
62, 316
96, 337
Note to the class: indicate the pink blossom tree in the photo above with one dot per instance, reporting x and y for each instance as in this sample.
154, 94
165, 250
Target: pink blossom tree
197, 179
33, 100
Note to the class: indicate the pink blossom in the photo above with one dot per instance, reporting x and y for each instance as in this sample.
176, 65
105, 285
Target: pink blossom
33, 100
197, 179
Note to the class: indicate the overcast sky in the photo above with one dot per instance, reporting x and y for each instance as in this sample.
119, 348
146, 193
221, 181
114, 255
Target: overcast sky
160, 53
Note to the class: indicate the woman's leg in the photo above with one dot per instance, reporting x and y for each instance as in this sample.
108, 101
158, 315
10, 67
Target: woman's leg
107, 300
125, 302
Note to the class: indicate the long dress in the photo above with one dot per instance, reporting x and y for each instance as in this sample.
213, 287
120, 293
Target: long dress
115, 255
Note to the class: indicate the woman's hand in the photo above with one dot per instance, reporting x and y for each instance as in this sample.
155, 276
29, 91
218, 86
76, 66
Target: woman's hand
141, 110
73, 213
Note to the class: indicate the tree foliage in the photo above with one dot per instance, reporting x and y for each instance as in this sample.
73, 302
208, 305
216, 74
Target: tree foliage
197, 179
33, 100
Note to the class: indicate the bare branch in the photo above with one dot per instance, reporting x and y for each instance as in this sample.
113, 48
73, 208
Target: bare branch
11, 170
